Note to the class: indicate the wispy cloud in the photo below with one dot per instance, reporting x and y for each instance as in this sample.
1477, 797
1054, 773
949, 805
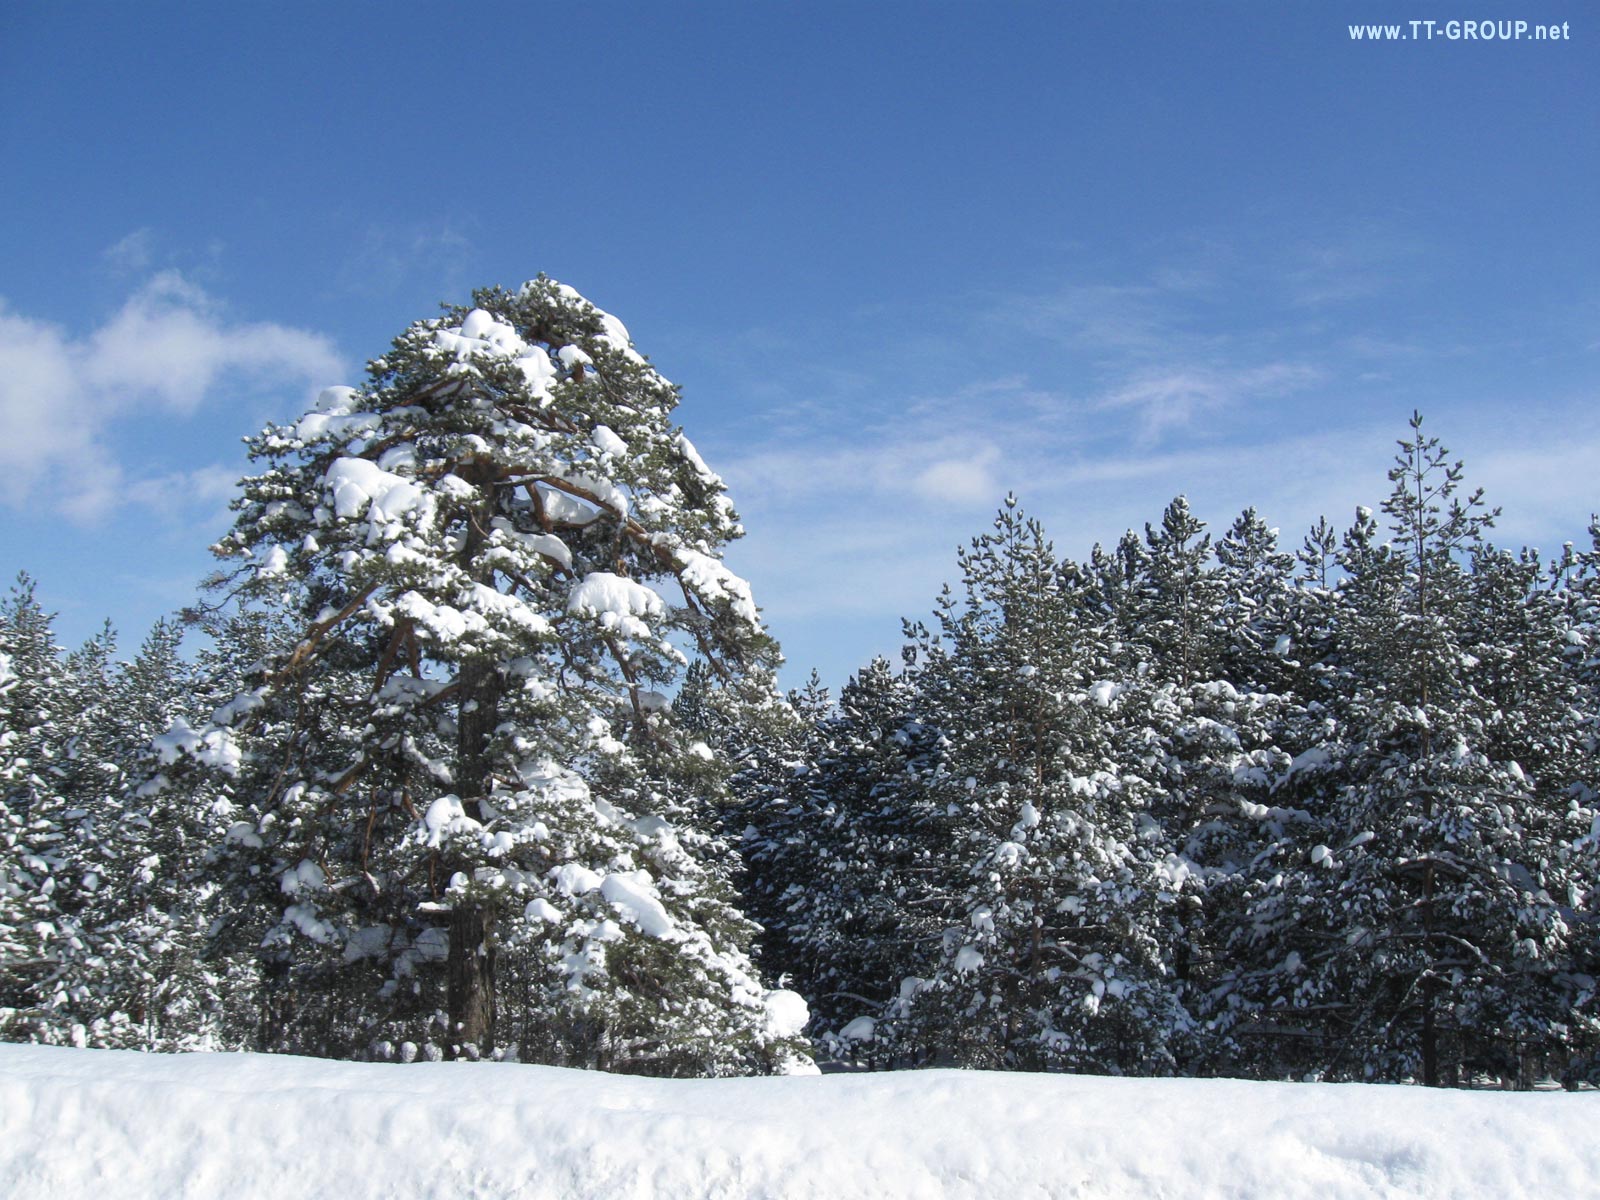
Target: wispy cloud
170, 349
1167, 399
1355, 264
133, 254
389, 259
1100, 404
1106, 321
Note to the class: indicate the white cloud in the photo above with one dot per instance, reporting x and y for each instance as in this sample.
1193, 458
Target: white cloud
1172, 398
172, 493
959, 480
133, 253
846, 540
169, 350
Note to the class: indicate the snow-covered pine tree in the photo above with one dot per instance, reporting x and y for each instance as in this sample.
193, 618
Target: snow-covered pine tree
141, 902
840, 859
1576, 578
75, 729
1219, 710
1537, 1004
242, 739
1265, 1011
83, 783
1434, 888
33, 931
499, 550
756, 739
53, 751
1168, 733
1050, 956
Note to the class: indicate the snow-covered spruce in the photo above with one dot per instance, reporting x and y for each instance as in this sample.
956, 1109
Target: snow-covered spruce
1174, 810
36, 935
1050, 956
449, 788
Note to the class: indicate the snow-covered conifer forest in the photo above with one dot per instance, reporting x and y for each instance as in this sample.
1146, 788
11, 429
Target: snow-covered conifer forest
474, 749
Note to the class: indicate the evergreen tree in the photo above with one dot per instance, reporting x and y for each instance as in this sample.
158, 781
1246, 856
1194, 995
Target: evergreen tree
465, 755
53, 853
33, 931
1440, 878
1049, 957
143, 897
839, 855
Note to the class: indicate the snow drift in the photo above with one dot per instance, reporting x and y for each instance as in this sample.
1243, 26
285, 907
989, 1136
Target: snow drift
94, 1125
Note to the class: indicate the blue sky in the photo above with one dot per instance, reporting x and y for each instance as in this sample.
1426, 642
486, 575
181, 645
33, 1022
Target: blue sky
901, 258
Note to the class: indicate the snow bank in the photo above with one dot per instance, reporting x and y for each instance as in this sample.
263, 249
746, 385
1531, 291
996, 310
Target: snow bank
96, 1125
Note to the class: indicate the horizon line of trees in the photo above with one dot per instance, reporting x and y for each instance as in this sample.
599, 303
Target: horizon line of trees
484, 757
1199, 806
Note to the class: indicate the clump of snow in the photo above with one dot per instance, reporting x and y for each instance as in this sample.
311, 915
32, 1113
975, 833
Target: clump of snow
444, 819
304, 876
482, 334
787, 1013
369, 942
432, 944
1105, 692
559, 506
615, 602
862, 1029
274, 563
356, 485
213, 748
540, 909
613, 332
575, 879
605, 493
686, 449
336, 401
92, 1124
711, 579
607, 442
547, 544
305, 918
633, 895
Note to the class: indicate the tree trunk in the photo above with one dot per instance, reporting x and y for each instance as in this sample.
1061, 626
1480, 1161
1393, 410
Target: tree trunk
1430, 1041
1430, 984
476, 721
471, 958
276, 1005
472, 995
470, 964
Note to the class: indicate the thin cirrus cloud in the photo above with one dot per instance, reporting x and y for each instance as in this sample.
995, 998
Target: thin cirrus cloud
1166, 399
168, 351
390, 258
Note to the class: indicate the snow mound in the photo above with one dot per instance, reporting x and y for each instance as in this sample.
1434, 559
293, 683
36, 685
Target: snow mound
100, 1124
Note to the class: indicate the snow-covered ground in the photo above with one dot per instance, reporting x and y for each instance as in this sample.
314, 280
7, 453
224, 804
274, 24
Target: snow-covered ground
95, 1125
